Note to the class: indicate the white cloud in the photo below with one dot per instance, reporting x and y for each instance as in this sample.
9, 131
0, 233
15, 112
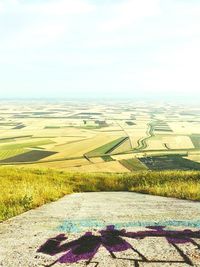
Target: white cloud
125, 45
1, 7
48, 21
54, 7
6, 4
39, 34
186, 7
177, 71
59, 7
40, 22
128, 12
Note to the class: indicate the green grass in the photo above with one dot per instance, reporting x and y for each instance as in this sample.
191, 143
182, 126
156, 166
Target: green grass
105, 148
23, 189
133, 164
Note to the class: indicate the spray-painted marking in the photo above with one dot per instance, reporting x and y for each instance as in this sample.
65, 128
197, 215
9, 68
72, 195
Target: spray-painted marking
86, 246
78, 226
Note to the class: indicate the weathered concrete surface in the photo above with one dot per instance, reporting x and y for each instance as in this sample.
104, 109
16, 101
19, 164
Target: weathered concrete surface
76, 214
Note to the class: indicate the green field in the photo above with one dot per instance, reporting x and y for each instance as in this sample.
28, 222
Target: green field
52, 127
4, 154
92, 127
170, 162
107, 158
27, 144
133, 164
13, 138
24, 189
30, 156
7, 124
161, 126
195, 140
107, 148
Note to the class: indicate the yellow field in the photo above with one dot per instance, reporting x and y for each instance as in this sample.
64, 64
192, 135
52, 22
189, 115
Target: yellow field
72, 130
81, 147
61, 164
194, 157
123, 156
112, 166
169, 142
155, 144
97, 160
125, 146
184, 128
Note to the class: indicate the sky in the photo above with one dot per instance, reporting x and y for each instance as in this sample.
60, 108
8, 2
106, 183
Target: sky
100, 49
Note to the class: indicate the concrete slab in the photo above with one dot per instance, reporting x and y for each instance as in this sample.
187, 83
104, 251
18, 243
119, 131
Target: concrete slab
104, 229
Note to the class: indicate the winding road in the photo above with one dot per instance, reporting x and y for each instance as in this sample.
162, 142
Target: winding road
142, 144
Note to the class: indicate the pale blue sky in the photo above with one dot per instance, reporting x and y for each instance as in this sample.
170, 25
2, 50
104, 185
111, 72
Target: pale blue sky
99, 48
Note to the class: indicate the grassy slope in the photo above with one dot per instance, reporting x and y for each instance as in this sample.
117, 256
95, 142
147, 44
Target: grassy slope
23, 189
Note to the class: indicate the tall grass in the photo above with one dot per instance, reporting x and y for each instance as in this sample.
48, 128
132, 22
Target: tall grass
23, 189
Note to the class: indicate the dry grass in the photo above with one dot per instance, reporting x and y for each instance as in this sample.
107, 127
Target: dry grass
23, 189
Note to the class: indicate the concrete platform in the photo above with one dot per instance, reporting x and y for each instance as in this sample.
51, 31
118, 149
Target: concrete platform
104, 229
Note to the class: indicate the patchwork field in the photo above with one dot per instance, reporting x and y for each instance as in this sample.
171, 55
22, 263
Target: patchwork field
99, 137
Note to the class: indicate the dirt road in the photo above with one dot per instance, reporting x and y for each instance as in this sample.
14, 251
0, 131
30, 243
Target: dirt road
104, 229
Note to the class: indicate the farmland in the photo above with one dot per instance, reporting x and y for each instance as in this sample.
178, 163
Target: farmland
99, 137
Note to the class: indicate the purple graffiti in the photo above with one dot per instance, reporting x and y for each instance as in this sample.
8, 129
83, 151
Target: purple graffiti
86, 247
172, 236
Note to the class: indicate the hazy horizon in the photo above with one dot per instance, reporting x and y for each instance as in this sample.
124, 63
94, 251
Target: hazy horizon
103, 100
84, 49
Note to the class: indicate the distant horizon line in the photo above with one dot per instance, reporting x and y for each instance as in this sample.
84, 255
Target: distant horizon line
137, 98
